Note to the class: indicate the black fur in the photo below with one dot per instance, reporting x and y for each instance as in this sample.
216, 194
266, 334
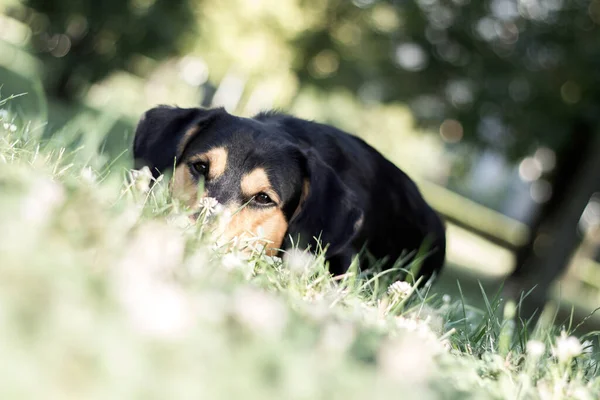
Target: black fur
357, 198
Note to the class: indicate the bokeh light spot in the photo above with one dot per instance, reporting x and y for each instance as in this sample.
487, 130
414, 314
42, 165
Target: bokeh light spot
325, 63
540, 191
411, 57
530, 169
63, 45
546, 158
451, 131
570, 92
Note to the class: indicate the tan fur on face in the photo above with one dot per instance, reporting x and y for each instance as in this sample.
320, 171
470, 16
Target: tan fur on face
258, 181
216, 159
184, 185
247, 221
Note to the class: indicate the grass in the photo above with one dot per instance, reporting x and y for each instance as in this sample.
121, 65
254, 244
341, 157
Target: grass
108, 291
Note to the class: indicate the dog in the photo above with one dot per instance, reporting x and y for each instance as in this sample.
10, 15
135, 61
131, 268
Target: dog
301, 183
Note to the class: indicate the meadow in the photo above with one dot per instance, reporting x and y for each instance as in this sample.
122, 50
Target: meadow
108, 290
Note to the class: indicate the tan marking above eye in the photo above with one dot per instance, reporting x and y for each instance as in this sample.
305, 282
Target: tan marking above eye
216, 159
258, 181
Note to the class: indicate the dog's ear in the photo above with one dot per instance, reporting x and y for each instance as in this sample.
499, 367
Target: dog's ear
328, 209
162, 134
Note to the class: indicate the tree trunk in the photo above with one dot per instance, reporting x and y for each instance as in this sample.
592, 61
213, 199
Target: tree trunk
556, 237
569, 163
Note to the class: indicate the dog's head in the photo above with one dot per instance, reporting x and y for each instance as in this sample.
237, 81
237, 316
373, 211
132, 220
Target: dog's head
255, 170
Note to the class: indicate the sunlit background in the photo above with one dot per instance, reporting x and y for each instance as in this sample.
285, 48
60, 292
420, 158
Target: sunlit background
491, 106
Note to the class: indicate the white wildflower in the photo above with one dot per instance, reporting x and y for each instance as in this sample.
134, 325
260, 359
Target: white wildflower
408, 324
3, 113
544, 391
209, 206
259, 311
155, 306
567, 347
337, 337
298, 261
446, 299
156, 248
431, 318
406, 359
88, 175
581, 393
420, 327
40, 203
141, 179
400, 289
232, 261
535, 348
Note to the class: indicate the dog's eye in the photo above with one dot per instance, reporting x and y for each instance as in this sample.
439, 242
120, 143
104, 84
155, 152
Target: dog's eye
200, 168
263, 199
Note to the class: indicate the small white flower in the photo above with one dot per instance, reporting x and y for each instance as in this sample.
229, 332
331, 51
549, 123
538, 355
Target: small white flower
232, 261
567, 347
446, 299
298, 261
337, 337
156, 308
87, 174
535, 348
12, 128
408, 324
406, 359
400, 289
3, 113
581, 393
209, 205
141, 179
40, 203
259, 311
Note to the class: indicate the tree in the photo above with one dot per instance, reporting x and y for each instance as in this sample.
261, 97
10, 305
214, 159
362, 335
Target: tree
501, 74
82, 41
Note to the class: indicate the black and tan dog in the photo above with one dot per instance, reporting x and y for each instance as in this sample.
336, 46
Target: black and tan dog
296, 180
